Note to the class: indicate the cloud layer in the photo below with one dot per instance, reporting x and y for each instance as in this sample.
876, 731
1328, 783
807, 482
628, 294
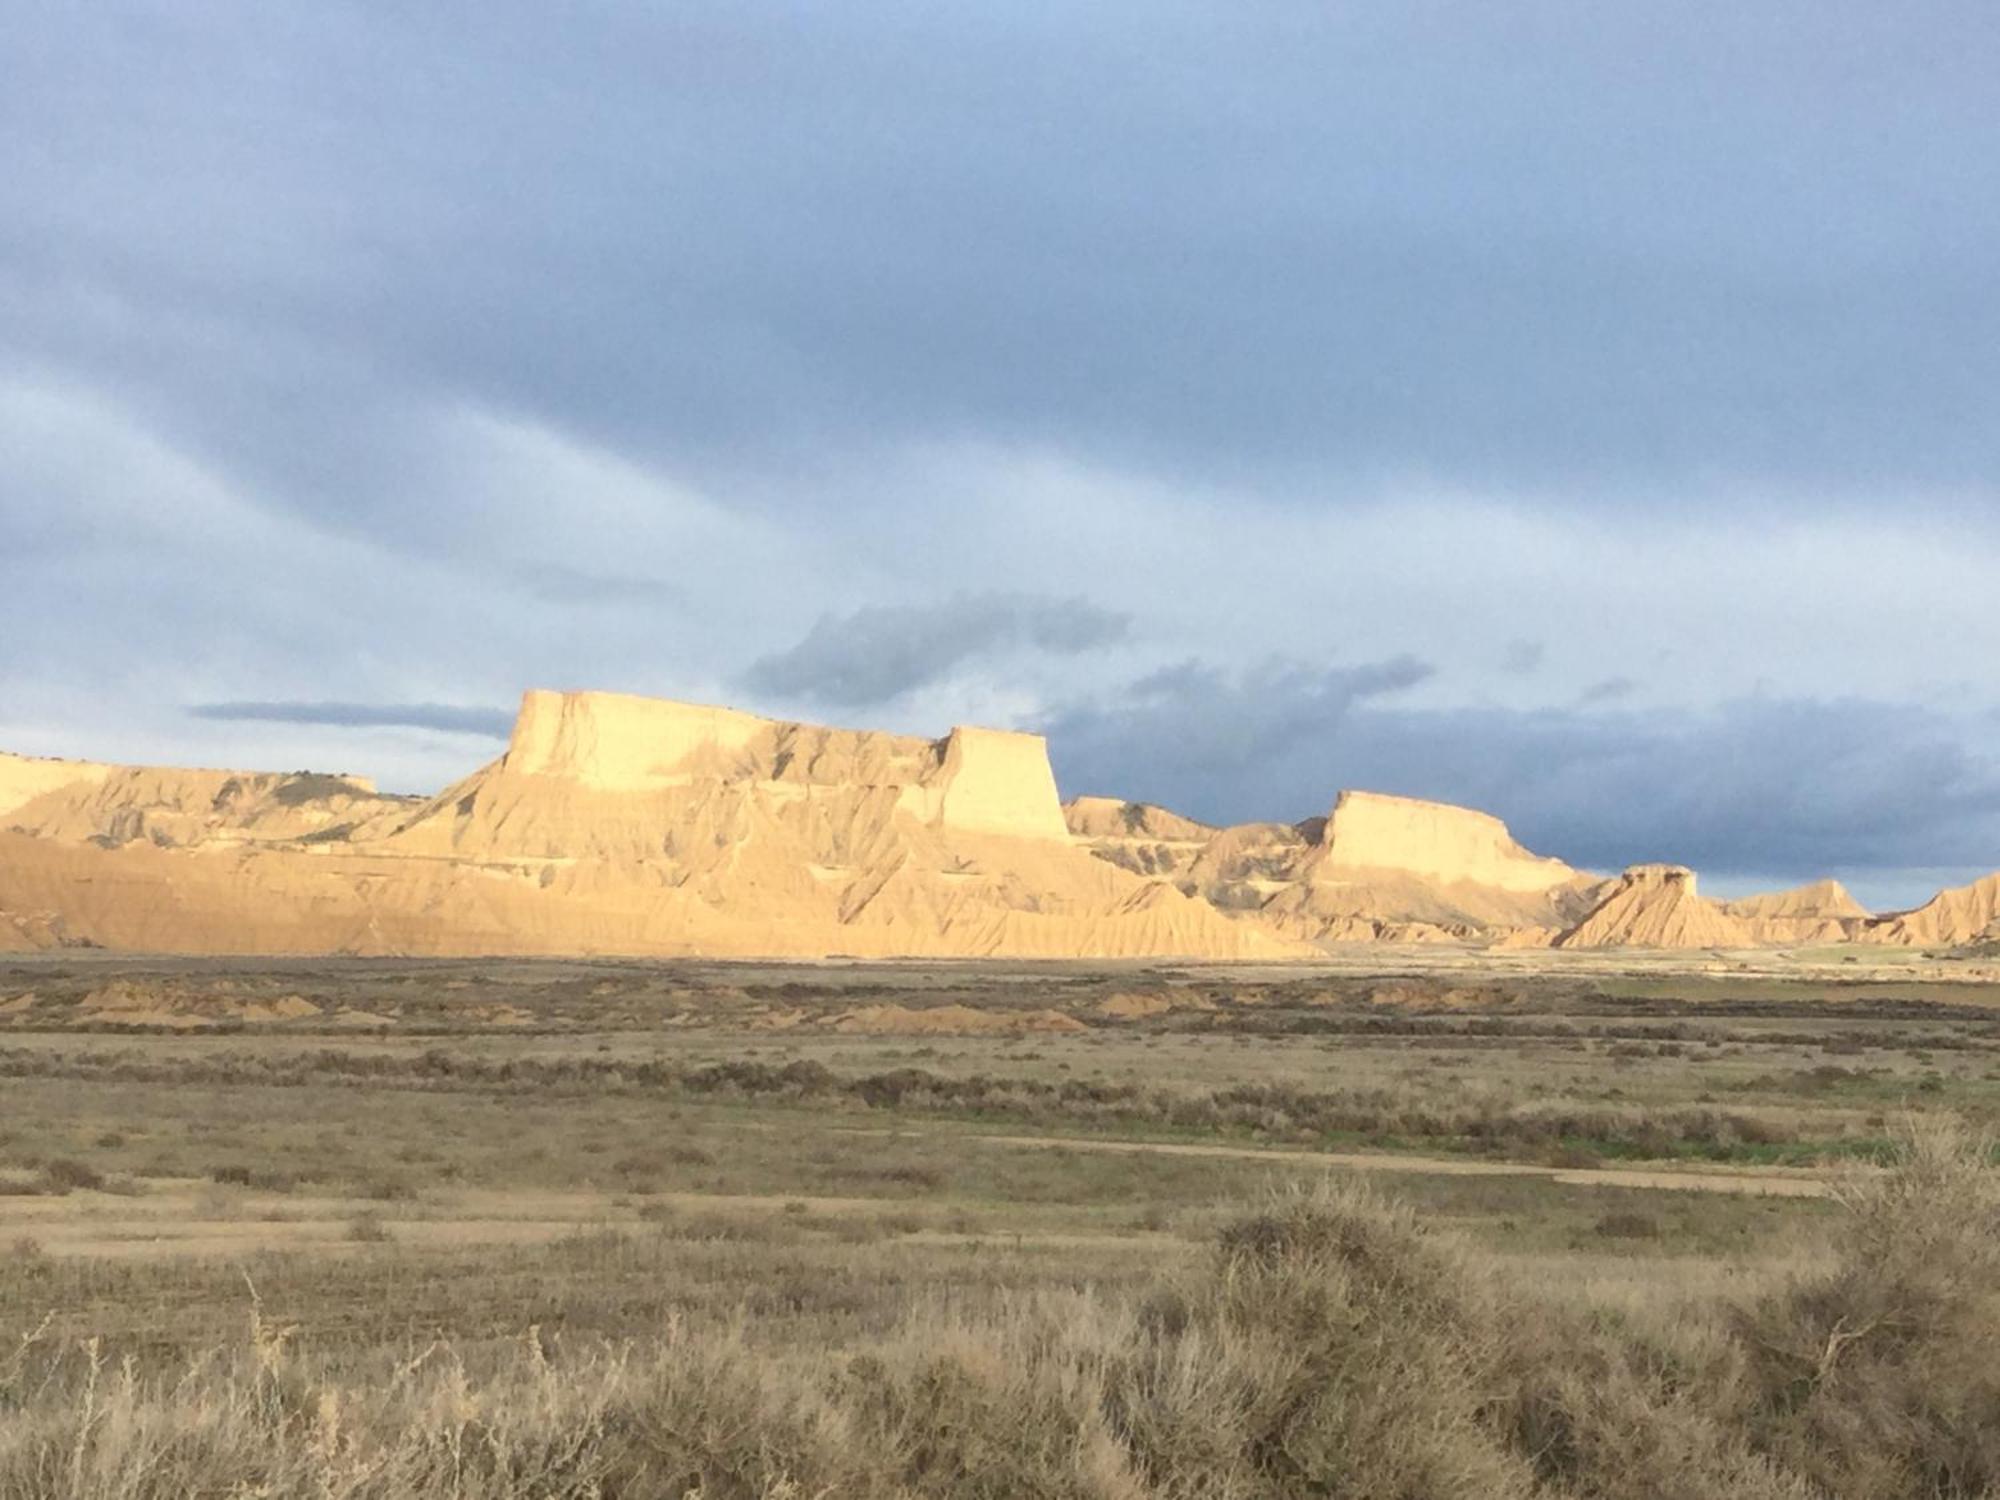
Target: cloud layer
443, 717
885, 651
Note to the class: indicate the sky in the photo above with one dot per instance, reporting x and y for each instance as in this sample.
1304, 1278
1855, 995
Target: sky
1589, 413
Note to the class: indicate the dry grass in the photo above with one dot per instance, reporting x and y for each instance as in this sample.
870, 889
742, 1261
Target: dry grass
1508, 1107
640, 1247
1328, 1344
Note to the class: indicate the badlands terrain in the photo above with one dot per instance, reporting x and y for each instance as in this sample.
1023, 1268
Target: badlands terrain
622, 825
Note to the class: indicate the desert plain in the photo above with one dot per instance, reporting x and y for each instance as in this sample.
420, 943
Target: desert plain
569, 1227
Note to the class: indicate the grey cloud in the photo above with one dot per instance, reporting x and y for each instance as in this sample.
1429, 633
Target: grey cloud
553, 583
447, 718
1759, 785
1635, 250
1796, 787
1226, 747
883, 651
1522, 657
1610, 690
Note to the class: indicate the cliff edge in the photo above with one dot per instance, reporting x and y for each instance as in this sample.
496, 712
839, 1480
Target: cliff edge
1434, 840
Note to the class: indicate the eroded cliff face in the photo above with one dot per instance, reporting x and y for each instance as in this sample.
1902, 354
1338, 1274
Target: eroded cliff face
623, 825
1433, 841
616, 742
612, 824
1138, 836
646, 781
989, 781
83, 801
25, 778
1821, 901
999, 782
1822, 912
1964, 915
1657, 906
1376, 869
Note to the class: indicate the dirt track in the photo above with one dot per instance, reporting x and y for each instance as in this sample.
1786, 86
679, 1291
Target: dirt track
1780, 1182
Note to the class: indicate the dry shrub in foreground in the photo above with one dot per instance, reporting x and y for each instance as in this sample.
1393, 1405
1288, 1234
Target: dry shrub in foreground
1881, 1376
1329, 1346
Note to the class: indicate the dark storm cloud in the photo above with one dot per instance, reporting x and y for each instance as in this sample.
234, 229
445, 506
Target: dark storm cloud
883, 651
447, 718
1794, 786
1636, 245
1225, 747
1760, 785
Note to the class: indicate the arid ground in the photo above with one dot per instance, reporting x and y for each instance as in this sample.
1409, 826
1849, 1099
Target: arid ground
490, 1228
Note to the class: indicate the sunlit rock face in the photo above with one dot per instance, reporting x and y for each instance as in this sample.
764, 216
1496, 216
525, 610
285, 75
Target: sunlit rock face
1966, 914
1370, 831
1822, 912
629, 825
1657, 906
612, 824
974, 780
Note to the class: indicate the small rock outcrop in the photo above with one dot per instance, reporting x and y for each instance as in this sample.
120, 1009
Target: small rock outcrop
1822, 901
1822, 912
1965, 914
1657, 906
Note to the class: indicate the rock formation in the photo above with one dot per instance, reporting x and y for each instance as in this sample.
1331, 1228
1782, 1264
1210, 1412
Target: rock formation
1822, 901
25, 778
1657, 906
972, 781
611, 825
1368, 831
115, 805
622, 825
1375, 869
1966, 915
1109, 819
1822, 912
1138, 836
1398, 869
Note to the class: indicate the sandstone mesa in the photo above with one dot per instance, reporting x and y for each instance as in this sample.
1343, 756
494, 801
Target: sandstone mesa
622, 825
